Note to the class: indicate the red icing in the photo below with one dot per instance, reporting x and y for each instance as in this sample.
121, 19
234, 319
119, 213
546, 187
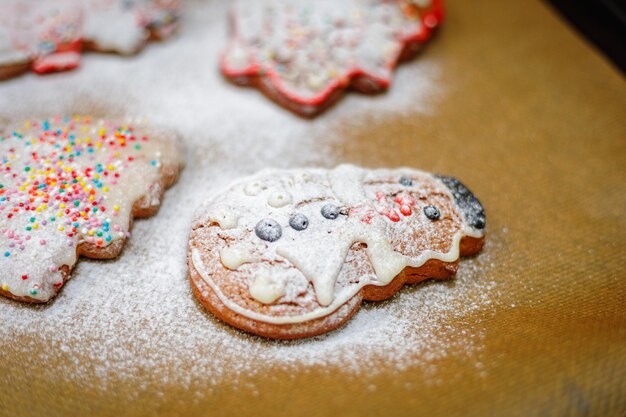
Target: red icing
402, 202
391, 214
66, 57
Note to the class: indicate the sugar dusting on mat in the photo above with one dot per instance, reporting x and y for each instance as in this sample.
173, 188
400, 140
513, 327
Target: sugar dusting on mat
135, 314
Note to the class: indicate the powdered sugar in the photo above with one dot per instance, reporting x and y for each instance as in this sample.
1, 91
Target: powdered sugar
117, 319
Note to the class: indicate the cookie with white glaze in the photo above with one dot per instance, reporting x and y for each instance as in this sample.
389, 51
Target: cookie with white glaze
304, 54
71, 187
293, 253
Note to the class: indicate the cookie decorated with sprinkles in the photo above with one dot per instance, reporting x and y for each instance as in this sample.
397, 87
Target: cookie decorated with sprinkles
71, 187
293, 253
304, 54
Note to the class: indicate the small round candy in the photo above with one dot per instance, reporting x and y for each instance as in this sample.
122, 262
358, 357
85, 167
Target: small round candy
268, 229
299, 221
432, 212
406, 181
330, 211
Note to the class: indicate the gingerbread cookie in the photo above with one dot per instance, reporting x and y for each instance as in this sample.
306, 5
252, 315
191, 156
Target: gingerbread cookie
293, 253
304, 54
70, 187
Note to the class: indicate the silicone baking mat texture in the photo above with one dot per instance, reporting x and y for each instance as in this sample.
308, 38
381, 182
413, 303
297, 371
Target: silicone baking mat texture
532, 119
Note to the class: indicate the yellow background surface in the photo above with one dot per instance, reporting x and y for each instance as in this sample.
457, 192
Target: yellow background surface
535, 124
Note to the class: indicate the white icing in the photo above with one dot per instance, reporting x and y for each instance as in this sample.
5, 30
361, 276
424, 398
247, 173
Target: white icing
267, 288
234, 256
319, 263
386, 262
225, 217
319, 252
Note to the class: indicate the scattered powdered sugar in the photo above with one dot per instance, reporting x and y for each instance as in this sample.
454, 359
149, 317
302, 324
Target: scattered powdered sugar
116, 319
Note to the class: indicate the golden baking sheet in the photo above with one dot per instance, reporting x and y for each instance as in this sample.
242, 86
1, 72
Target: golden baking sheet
506, 97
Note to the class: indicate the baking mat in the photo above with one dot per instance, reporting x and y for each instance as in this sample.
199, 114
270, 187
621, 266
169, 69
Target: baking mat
506, 97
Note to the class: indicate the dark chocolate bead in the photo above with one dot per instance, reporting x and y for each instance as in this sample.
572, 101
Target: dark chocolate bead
330, 211
432, 212
406, 181
268, 229
299, 222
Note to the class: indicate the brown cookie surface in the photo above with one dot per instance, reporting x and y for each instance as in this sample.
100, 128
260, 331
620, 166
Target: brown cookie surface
292, 253
72, 187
